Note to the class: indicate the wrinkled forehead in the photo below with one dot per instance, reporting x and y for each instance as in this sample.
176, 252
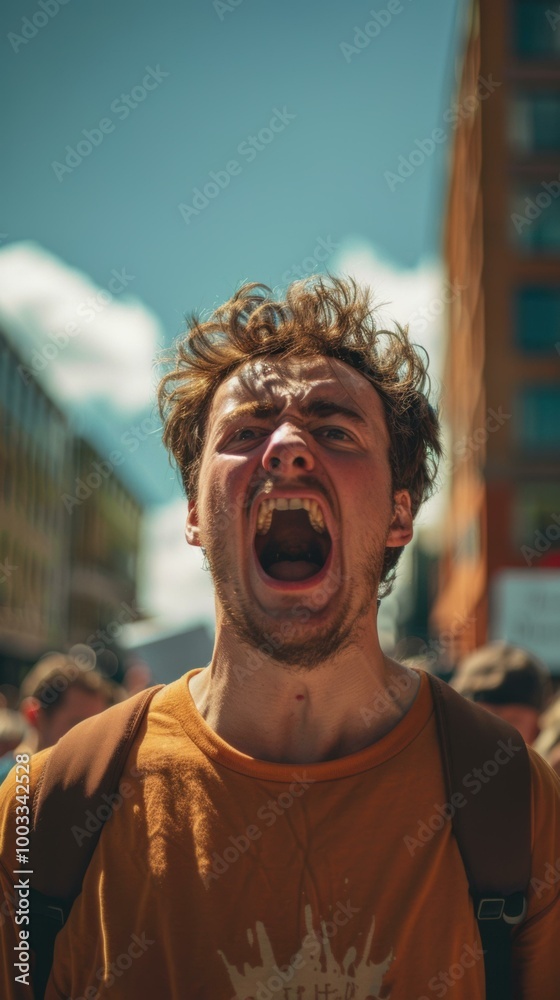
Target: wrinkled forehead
289, 381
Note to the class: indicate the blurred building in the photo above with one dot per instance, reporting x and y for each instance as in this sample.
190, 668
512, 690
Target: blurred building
35, 459
501, 546
168, 653
69, 530
106, 521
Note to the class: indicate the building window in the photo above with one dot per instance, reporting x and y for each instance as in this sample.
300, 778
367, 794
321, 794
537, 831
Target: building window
537, 319
534, 122
536, 516
535, 216
537, 419
536, 30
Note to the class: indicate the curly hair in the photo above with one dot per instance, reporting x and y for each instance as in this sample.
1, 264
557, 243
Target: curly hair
330, 317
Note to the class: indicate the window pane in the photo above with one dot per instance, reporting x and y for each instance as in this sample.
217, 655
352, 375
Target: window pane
536, 29
537, 419
534, 122
536, 507
537, 319
535, 216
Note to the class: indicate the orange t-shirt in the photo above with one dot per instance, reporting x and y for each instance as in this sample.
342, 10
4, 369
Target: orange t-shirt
222, 877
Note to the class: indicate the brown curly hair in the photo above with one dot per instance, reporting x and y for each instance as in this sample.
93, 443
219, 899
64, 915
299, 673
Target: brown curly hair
330, 317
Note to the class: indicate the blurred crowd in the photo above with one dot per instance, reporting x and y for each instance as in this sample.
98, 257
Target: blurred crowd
61, 690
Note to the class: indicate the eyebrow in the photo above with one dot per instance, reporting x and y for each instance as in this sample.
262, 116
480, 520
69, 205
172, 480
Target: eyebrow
263, 409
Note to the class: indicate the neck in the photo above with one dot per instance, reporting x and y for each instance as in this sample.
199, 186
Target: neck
284, 714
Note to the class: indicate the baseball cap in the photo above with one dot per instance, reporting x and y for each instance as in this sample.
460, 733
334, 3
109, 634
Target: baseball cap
500, 674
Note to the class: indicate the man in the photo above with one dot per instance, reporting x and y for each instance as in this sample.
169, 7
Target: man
507, 681
264, 848
58, 693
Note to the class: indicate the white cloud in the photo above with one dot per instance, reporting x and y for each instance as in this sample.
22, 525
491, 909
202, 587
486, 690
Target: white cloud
418, 297
415, 296
83, 341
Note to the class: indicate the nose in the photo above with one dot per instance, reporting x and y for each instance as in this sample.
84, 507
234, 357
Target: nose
287, 452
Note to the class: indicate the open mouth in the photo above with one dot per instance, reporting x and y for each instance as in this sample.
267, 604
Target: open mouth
292, 541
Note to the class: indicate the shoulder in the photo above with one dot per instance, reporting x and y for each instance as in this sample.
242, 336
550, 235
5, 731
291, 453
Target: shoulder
545, 795
544, 887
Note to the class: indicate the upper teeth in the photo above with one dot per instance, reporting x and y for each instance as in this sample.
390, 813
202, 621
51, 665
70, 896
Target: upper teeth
264, 517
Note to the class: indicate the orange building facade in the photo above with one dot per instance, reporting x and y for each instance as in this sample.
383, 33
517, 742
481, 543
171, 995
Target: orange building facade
502, 375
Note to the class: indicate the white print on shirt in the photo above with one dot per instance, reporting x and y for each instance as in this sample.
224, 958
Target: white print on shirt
313, 971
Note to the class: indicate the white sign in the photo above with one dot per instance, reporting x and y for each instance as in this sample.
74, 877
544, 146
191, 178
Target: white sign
525, 611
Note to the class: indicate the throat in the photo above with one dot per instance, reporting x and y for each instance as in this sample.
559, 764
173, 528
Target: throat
291, 549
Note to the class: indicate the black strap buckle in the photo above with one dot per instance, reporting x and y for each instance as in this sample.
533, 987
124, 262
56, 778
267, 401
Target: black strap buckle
510, 909
490, 909
48, 907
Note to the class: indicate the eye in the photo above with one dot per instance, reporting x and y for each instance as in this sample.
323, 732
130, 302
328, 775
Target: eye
334, 433
246, 434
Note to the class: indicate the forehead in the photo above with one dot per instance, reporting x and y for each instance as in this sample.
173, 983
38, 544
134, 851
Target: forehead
289, 381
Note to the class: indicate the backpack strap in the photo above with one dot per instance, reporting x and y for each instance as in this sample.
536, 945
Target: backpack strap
486, 762
78, 785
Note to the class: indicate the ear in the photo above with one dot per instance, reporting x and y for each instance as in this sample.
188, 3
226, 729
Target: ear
30, 708
192, 530
400, 529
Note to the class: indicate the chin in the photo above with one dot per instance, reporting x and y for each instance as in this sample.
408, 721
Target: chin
297, 637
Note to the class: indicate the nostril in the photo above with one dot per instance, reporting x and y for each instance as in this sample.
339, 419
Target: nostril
274, 462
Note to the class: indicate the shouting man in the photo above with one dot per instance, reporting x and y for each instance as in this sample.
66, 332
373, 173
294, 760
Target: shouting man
287, 833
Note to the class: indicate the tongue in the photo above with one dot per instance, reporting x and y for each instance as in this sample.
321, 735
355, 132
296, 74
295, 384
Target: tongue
285, 569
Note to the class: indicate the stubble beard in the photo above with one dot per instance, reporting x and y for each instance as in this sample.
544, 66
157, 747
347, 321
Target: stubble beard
272, 641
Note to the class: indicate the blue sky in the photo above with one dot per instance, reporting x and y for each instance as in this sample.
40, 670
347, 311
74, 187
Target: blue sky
321, 176
218, 73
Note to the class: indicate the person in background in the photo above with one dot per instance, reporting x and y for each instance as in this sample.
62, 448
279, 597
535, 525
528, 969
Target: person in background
12, 732
508, 681
59, 692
